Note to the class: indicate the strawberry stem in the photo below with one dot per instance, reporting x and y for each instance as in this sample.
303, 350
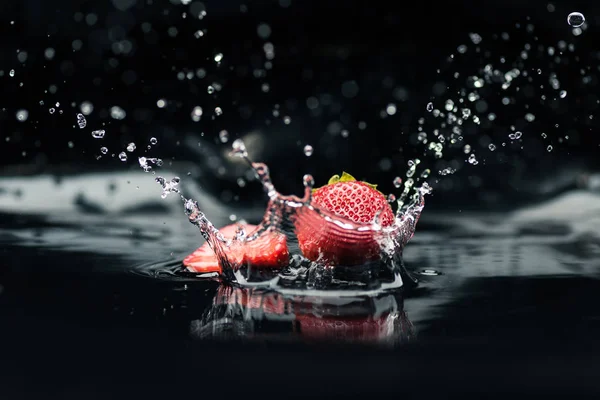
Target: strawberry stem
346, 177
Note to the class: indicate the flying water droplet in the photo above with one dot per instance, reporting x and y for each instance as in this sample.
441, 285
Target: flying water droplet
153, 140
145, 163
397, 182
51, 110
210, 89
430, 107
473, 160
117, 113
492, 147
308, 150
224, 136
218, 57
131, 147
11, 73
575, 19
122, 156
308, 181
81, 121
238, 149
549, 148
515, 136
563, 94
22, 115
99, 134
218, 111
169, 187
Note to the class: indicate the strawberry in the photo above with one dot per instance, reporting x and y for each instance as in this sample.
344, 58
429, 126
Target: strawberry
330, 244
269, 250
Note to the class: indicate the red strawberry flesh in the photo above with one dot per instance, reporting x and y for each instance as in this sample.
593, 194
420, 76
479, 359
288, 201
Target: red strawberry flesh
328, 243
269, 250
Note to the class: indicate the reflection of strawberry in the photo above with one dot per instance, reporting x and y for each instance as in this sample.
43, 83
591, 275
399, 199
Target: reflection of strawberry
267, 251
356, 201
347, 322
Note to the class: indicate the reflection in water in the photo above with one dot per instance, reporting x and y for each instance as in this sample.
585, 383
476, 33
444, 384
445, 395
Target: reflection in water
253, 313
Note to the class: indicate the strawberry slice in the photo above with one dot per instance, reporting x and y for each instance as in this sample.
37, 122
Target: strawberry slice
332, 244
269, 250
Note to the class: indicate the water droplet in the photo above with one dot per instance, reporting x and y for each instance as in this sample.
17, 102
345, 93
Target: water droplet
210, 89
86, 108
218, 111
391, 198
397, 181
239, 148
515, 136
198, 34
131, 147
308, 181
224, 136
153, 140
81, 121
575, 19
563, 94
103, 150
122, 156
391, 109
492, 147
287, 120
99, 134
197, 113
117, 113
51, 110
430, 106
473, 160
549, 148
22, 115
308, 150
218, 57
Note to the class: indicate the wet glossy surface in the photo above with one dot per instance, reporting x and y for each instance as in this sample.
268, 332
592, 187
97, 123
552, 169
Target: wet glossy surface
86, 279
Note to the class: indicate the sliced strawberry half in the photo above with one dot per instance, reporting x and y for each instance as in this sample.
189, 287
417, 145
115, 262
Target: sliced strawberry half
269, 250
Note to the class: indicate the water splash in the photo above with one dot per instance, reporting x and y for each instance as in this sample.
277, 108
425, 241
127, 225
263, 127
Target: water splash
294, 218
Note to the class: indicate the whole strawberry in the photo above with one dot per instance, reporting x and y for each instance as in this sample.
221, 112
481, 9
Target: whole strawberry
334, 244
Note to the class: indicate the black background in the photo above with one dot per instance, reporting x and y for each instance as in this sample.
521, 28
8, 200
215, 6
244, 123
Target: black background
319, 45
392, 51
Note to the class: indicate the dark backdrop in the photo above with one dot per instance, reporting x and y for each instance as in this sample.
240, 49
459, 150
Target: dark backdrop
336, 64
